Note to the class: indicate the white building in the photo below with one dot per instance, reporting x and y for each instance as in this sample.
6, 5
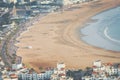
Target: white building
63, 2
60, 73
97, 63
77, 1
61, 68
87, 78
18, 63
104, 71
110, 70
9, 1
1, 63
16, 66
35, 76
46, 1
68, 2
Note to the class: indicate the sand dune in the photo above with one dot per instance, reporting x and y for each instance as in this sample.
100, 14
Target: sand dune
55, 38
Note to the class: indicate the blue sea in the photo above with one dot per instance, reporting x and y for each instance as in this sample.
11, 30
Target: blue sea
105, 32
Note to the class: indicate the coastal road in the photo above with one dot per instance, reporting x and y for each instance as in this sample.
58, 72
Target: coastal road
7, 45
4, 56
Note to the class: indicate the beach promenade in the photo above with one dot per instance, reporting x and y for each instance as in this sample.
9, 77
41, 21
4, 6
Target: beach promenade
56, 38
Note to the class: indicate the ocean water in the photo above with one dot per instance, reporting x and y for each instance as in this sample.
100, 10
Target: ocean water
114, 30
105, 32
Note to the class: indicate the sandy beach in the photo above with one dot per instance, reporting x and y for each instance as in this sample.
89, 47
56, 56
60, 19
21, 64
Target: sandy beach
55, 38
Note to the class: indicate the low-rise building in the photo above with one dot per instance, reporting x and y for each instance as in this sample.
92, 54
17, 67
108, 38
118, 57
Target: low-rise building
36, 76
17, 63
103, 71
60, 73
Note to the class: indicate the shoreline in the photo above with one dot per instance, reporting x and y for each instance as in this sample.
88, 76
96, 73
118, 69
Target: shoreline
110, 38
67, 40
100, 33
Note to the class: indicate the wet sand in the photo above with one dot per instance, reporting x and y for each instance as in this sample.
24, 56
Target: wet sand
55, 38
